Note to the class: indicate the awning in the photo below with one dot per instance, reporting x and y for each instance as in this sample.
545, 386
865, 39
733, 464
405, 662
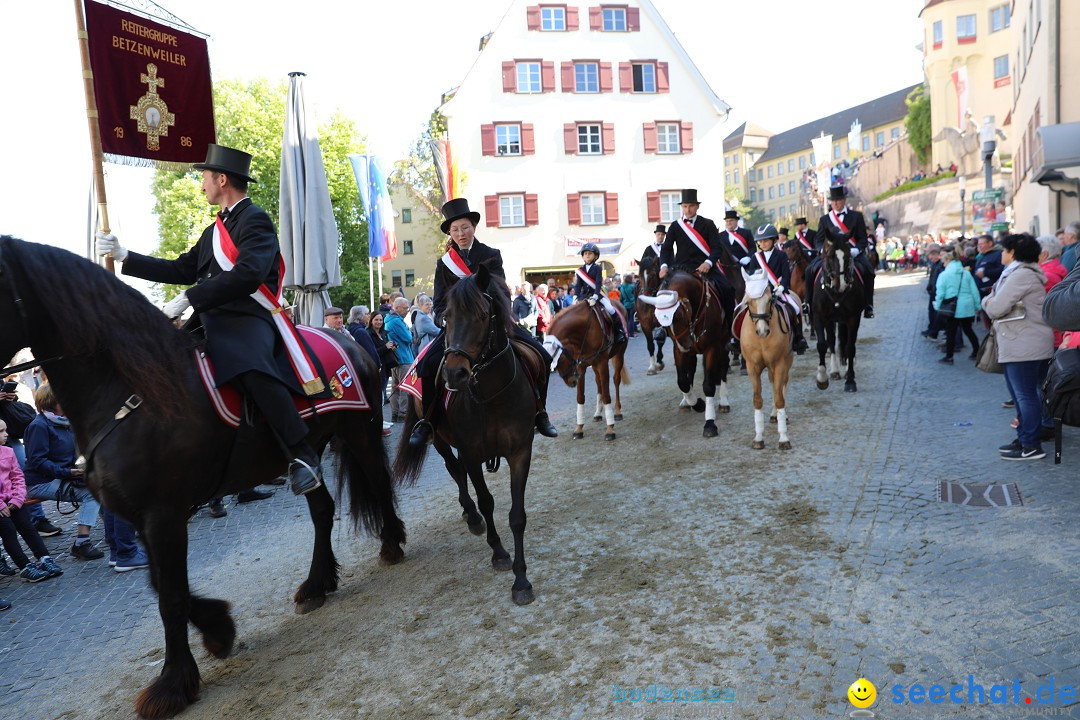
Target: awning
1057, 158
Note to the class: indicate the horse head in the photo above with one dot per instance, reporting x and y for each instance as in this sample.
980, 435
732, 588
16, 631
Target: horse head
477, 326
759, 301
650, 279
563, 358
15, 330
837, 266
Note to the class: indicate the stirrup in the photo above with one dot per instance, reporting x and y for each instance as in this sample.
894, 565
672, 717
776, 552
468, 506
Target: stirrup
304, 478
423, 432
544, 426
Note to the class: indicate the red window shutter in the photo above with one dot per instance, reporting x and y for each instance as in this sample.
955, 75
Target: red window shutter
491, 210
596, 18
570, 138
651, 141
626, 77
607, 138
662, 77
686, 137
547, 76
532, 210
571, 18
652, 203
568, 84
573, 209
509, 76
633, 19
606, 84
528, 141
532, 17
487, 139
611, 208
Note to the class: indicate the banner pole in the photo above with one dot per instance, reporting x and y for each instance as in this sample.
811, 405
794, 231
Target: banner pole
371, 282
95, 132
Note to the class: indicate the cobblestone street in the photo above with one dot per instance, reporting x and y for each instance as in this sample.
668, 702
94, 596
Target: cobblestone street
782, 576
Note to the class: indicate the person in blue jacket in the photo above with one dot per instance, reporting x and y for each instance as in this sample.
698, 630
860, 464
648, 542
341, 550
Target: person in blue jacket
954, 281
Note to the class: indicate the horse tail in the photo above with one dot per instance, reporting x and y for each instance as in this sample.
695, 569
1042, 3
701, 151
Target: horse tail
364, 467
625, 379
410, 460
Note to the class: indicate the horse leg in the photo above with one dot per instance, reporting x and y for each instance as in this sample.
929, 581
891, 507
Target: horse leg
618, 368
660, 352
500, 559
822, 376
779, 383
603, 397
651, 345
165, 535
834, 361
323, 573
723, 405
579, 431
852, 335
522, 591
754, 368
708, 386
598, 413
686, 368
457, 472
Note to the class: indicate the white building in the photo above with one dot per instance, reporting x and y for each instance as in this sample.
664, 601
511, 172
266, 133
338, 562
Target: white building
579, 122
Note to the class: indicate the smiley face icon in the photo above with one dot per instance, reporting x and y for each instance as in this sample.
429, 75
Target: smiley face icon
862, 693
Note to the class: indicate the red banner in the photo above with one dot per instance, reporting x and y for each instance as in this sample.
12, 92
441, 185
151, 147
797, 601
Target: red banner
153, 88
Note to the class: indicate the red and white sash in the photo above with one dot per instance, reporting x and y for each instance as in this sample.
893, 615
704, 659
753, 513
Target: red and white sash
775, 282
803, 241
583, 277
453, 261
226, 253
695, 237
843, 228
735, 237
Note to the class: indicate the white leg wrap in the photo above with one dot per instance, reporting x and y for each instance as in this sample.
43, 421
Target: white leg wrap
759, 424
781, 424
581, 414
599, 405
834, 362
710, 408
688, 399
609, 414
822, 376
723, 394
652, 362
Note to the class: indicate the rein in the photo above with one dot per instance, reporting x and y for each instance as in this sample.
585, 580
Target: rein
693, 321
578, 362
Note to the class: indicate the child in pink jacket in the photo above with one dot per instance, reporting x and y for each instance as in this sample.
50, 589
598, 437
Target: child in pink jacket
15, 521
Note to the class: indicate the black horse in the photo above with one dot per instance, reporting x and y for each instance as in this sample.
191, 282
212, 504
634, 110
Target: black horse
839, 300
654, 334
106, 349
490, 414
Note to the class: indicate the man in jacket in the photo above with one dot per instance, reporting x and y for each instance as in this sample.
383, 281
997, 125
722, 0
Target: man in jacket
935, 268
988, 267
845, 225
401, 335
694, 244
235, 260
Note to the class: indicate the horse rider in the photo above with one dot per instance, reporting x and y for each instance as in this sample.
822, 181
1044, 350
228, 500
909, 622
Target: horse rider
589, 283
777, 269
807, 240
693, 244
844, 225
234, 271
740, 240
464, 254
651, 256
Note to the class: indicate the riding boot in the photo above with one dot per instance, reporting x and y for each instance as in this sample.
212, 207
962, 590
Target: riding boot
869, 286
799, 342
423, 432
305, 470
618, 334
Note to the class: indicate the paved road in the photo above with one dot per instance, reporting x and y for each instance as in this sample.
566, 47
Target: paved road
905, 589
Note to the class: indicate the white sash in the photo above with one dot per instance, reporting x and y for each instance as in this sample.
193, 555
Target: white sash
695, 237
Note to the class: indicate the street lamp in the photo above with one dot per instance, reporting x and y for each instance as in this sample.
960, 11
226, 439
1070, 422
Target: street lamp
963, 216
988, 136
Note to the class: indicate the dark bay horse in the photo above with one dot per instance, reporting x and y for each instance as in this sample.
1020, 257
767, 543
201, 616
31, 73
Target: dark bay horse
490, 414
654, 334
699, 326
106, 348
839, 301
799, 267
578, 339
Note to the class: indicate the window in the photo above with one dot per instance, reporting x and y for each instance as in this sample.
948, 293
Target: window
770, 172
727, 160
879, 138
866, 141
965, 28
812, 160
791, 209
736, 176
780, 168
939, 34
552, 18
753, 195
781, 189
511, 211
406, 215
727, 178
791, 187
735, 157
772, 214
586, 77
528, 77
592, 209
644, 77
614, 19
802, 162
772, 192
999, 18
395, 278
791, 165
670, 209
749, 157
1001, 69
410, 278
508, 139
761, 174
894, 133
406, 247
667, 138
836, 151
588, 140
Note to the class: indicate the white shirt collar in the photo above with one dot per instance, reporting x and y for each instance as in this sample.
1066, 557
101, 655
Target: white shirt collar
233, 206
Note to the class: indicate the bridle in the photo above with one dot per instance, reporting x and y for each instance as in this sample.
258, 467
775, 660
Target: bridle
487, 356
577, 362
693, 322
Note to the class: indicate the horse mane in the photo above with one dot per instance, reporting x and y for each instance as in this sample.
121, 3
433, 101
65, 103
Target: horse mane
466, 296
148, 354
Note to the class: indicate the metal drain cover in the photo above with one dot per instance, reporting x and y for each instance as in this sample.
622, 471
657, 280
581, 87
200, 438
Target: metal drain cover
996, 495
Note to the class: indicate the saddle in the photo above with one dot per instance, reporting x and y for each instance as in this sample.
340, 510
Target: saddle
530, 358
743, 310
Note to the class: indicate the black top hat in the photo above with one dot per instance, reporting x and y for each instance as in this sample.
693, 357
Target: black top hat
800, 221
660, 228
689, 196
783, 231
222, 159
455, 209
731, 215
838, 192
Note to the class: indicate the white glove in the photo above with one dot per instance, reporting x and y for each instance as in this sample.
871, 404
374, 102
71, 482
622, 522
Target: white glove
779, 290
854, 252
744, 261
109, 245
176, 307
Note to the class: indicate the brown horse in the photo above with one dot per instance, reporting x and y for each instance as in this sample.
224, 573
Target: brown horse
799, 263
765, 341
654, 334
580, 337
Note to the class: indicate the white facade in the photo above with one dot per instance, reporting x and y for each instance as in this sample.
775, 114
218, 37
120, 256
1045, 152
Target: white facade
549, 175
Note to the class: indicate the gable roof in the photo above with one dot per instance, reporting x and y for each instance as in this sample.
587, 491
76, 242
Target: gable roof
738, 139
882, 111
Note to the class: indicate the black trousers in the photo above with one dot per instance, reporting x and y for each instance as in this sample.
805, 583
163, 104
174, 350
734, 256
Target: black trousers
951, 325
276, 404
19, 524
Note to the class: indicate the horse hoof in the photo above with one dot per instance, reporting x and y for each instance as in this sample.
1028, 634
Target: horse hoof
618, 417
609, 436
303, 607
723, 409
742, 371
772, 419
577, 435
822, 385
850, 387
162, 699
522, 597
709, 431
598, 418
502, 564
699, 405
834, 376
785, 445
659, 366
476, 528
758, 445
650, 371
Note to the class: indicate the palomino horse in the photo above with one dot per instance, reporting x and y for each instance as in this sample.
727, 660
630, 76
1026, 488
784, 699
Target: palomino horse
155, 447
490, 413
646, 317
579, 338
799, 263
839, 300
765, 341
690, 309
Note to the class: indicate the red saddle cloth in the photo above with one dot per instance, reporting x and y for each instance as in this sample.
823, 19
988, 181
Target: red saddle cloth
346, 391
742, 310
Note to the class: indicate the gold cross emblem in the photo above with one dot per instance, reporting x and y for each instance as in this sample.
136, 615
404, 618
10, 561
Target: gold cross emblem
151, 112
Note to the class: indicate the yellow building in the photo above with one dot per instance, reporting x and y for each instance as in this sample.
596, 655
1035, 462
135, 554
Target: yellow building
968, 61
742, 148
419, 242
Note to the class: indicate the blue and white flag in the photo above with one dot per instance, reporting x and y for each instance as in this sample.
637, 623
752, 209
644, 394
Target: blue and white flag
371, 182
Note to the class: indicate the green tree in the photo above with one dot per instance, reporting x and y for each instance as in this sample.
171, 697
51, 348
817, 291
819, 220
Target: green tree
917, 122
752, 217
418, 169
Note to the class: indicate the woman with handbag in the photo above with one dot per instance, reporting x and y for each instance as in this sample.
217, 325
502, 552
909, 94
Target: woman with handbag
1025, 342
956, 299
